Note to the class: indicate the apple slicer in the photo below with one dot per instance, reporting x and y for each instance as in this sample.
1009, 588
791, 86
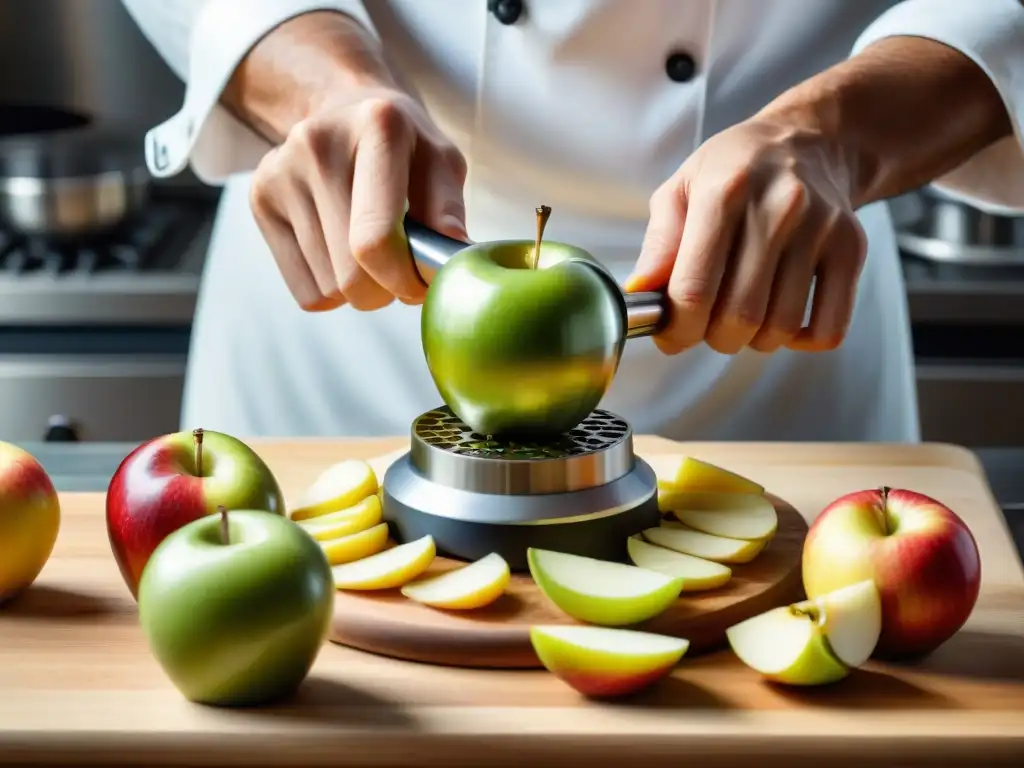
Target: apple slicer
584, 493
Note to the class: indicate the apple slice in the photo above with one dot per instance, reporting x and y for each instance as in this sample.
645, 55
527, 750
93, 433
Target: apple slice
602, 662
698, 575
814, 642
359, 517
851, 618
391, 568
599, 591
338, 487
381, 464
686, 540
355, 546
733, 515
696, 476
471, 586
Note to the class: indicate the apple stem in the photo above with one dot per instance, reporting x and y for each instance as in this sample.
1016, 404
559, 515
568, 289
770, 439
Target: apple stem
884, 490
225, 531
543, 214
808, 611
197, 437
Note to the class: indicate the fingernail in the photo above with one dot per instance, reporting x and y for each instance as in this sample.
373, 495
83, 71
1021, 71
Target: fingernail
454, 227
633, 284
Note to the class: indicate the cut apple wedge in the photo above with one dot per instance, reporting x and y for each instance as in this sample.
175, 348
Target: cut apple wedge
733, 515
381, 464
389, 569
359, 517
355, 546
696, 476
471, 586
815, 642
686, 540
601, 592
338, 487
602, 662
698, 575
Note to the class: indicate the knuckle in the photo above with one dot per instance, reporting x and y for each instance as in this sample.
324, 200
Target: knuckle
371, 241
455, 160
387, 118
315, 137
691, 295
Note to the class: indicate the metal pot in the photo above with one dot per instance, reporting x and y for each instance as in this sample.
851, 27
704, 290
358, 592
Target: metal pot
940, 228
62, 177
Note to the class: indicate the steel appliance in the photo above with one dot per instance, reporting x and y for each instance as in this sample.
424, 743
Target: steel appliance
476, 494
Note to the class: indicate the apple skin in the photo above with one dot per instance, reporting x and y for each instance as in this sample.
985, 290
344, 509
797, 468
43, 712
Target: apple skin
514, 350
29, 519
156, 490
238, 624
920, 554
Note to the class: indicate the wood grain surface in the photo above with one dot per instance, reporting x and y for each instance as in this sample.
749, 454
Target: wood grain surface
78, 686
498, 636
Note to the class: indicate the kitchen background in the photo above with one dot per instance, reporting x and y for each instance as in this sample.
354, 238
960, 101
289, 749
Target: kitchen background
99, 267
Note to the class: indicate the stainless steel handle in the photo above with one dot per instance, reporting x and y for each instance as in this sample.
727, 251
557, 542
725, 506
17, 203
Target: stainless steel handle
431, 250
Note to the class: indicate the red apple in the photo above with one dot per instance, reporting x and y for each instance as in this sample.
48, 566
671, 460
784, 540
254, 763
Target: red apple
29, 519
159, 488
920, 554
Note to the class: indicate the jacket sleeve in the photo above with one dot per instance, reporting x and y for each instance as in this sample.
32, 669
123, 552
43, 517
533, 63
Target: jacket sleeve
204, 41
990, 33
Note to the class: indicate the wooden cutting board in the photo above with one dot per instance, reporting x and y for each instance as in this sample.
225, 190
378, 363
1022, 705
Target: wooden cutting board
78, 685
498, 636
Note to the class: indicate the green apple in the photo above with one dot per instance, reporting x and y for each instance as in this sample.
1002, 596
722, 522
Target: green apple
720, 549
599, 591
236, 607
745, 516
490, 319
814, 642
697, 573
602, 662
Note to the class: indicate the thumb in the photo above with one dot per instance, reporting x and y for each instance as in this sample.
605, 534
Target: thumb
661, 242
436, 197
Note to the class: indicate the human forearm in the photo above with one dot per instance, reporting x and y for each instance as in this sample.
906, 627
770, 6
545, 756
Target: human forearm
901, 113
286, 74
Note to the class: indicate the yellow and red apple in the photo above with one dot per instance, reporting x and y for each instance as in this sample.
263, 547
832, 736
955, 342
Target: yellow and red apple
29, 519
168, 482
919, 553
602, 662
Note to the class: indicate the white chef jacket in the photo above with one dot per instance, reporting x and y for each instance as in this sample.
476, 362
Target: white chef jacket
570, 105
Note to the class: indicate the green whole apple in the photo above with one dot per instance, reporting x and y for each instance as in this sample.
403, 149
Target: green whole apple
515, 349
236, 607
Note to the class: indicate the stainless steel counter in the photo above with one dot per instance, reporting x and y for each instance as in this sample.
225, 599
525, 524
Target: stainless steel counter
89, 467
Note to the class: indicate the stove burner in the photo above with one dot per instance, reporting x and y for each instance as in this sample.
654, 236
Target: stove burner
442, 429
140, 245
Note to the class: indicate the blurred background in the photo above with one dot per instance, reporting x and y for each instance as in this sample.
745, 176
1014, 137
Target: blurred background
99, 266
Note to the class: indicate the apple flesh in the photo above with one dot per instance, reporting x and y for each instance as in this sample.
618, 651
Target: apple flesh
236, 614
697, 574
355, 546
338, 487
815, 642
170, 481
695, 476
345, 522
733, 515
518, 350
719, 549
465, 588
29, 519
918, 552
601, 592
603, 663
389, 569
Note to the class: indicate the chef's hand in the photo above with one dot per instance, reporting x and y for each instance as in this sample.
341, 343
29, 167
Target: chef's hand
740, 232
330, 199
